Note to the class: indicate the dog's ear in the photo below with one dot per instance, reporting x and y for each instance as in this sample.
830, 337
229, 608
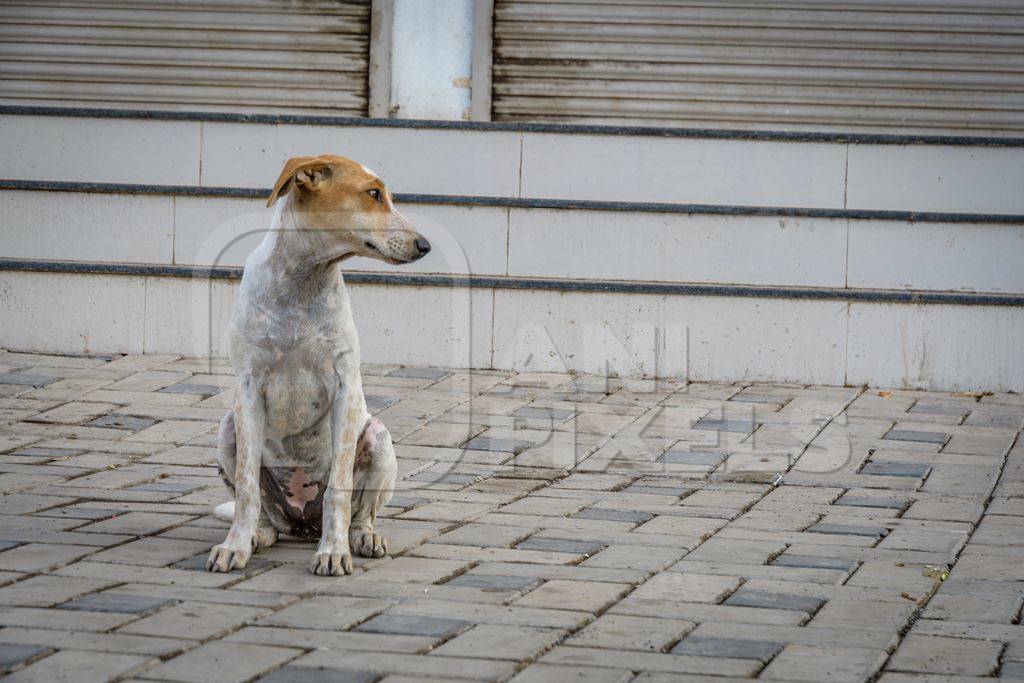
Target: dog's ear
309, 173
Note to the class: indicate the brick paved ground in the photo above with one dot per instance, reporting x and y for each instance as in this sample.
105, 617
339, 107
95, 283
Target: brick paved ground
591, 529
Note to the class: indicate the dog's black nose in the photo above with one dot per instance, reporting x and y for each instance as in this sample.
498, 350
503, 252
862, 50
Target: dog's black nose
422, 245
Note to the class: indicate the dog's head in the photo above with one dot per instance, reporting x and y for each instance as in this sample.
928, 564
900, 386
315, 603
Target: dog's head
344, 202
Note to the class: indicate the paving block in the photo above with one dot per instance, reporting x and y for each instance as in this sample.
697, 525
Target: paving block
46, 452
815, 664
192, 620
493, 641
762, 650
947, 656
189, 388
916, 470
726, 425
637, 516
27, 379
12, 655
864, 615
811, 562
445, 478
496, 583
112, 601
419, 373
917, 436
588, 596
542, 413
940, 409
621, 631
78, 665
326, 612
996, 608
414, 625
848, 530
751, 397
693, 458
678, 587
488, 443
556, 545
885, 503
375, 403
302, 674
745, 597
222, 662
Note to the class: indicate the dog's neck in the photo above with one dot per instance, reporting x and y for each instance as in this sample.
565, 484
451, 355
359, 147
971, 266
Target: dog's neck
297, 254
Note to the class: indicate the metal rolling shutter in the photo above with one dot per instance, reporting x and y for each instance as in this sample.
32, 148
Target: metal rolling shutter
878, 65
293, 56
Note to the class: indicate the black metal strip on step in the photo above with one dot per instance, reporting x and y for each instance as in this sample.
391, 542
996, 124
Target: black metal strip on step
536, 203
557, 128
881, 296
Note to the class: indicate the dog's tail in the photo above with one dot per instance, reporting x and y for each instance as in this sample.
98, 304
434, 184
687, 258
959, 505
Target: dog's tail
225, 511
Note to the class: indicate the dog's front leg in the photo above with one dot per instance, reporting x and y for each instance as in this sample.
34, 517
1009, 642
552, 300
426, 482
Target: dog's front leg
333, 555
250, 418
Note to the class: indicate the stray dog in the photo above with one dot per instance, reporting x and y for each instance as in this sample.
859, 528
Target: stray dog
299, 452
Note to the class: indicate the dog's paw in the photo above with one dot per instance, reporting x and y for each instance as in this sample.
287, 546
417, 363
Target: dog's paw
331, 564
266, 536
368, 544
228, 556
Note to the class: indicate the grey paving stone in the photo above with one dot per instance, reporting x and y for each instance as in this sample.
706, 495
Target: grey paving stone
762, 650
854, 500
198, 563
810, 562
414, 625
637, 516
940, 409
757, 398
556, 545
12, 655
419, 373
917, 470
1013, 671
123, 422
46, 452
494, 583
188, 388
165, 487
302, 674
444, 478
120, 603
945, 656
848, 530
764, 600
692, 458
26, 379
726, 425
674, 491
914, 435
375, 404
487, 443
540, 412
399, 501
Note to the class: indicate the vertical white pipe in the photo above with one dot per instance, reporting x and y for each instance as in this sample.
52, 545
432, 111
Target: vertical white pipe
431, 59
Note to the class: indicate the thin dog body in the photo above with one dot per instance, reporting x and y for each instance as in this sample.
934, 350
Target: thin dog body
300, 452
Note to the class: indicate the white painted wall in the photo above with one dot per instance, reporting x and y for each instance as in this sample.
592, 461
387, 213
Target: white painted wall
726, 338
938, 347
431, 59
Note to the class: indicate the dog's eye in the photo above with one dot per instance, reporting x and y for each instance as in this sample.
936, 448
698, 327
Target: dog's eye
375, 193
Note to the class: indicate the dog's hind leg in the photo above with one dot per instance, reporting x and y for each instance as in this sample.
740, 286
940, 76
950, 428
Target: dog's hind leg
373, 483
266, 534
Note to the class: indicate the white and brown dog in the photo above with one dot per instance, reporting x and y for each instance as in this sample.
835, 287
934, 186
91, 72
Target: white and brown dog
299, 452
